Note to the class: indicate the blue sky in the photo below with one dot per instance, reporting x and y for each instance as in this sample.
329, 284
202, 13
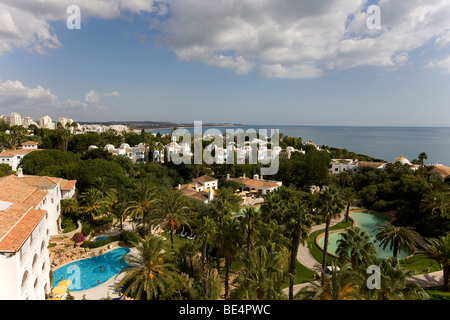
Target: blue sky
181, 74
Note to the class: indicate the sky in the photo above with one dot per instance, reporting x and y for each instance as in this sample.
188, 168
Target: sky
284, 62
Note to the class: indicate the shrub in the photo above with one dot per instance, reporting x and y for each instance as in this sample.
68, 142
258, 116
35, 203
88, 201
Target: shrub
129, 237
68, 225
78, 237
86, 229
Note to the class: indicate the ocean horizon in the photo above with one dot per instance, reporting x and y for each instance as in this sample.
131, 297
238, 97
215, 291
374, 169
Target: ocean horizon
382, 142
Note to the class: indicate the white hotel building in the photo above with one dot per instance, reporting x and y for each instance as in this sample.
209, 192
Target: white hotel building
29, 211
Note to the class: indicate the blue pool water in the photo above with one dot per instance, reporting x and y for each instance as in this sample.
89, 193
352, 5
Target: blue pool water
86, 273
100, 238
366, 222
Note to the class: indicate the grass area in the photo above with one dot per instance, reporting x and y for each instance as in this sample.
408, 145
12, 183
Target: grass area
420, 264
436, 293
316, 252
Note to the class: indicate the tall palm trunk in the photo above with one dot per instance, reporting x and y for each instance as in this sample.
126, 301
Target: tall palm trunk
347, 212
446, 276
292, 262
325, 247
205, 284
227, 277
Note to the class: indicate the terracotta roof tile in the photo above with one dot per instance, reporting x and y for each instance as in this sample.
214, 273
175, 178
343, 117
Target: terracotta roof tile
15, 238
68, 185
204, 179
252, 183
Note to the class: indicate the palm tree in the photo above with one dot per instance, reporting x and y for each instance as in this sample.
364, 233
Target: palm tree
297, 221
149, 275
251, 223
262, 273
229, 239
204, 233
93, 204
108, 193
422, 156
348, 196
341, 284
62, 136
221, 208
439, 250
356, 245
149, 143
272, 237
397, 238
330, 206
438, 203
271, 207
160, 147
171, 212
394, 285
142, 201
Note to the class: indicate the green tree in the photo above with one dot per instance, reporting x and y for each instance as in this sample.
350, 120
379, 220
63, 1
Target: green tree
149, 274
93, 204
330, 206
142, 200
205, 232
348, 195
297, 221
262, 274
171, 211
355, 246
397, 238
439, 250
251, 223
229, 239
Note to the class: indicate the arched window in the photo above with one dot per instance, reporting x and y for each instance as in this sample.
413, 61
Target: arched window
35, 259
24, 279
42, 246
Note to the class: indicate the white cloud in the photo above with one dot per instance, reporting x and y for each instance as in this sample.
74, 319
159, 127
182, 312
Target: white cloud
443, 64
275, 38
301, 39
14, 96
25, 23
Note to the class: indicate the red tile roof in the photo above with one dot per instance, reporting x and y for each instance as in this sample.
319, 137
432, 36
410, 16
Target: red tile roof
252, 183
68, 185
13, 240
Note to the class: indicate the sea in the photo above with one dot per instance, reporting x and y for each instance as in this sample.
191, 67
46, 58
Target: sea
386, 143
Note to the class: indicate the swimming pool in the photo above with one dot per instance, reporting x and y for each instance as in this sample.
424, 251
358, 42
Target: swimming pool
86, 273
100, 238
366, 222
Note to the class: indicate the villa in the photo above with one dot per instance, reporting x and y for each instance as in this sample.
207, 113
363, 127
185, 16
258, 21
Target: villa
341, 165
442, 172
13, 157
202, 188
29, 212
257, 183
371, 164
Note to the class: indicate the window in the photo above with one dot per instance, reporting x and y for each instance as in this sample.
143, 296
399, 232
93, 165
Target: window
24, 279
35, 259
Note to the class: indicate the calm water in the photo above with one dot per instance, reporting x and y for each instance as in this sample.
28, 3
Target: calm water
385, 143
368, 223
86, 273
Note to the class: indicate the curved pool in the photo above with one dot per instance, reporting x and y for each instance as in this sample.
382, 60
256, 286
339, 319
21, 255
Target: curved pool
86, 273
367, 222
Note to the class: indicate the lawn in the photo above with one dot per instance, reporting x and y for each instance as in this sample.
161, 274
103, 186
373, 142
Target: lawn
316, 252
436, 293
